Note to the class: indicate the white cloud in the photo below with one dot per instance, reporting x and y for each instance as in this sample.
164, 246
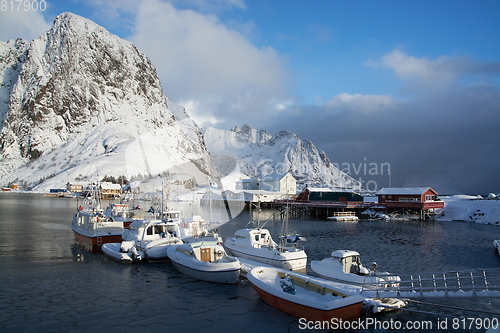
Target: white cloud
360, 103
199, 59
439, 73
26, 24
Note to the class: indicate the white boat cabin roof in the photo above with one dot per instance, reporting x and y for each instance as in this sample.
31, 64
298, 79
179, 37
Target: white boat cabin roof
140, 223
344, 253
200, 244
248, 232
195, 218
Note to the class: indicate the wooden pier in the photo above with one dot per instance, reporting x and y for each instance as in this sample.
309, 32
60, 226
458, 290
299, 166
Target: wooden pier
325, 209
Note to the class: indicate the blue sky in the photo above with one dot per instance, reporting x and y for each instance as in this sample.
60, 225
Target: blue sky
412, 83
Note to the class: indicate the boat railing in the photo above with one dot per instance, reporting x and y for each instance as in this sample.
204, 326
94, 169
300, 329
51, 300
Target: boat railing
438, 284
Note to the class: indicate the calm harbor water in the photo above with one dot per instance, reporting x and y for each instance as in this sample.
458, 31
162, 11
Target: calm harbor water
50, 283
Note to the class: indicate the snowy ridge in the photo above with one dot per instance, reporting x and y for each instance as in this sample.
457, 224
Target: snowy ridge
259, 153
79, 101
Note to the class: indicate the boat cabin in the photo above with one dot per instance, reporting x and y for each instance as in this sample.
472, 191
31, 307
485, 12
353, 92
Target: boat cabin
206, 251
146, 230
254, 237
173, 215
350, 261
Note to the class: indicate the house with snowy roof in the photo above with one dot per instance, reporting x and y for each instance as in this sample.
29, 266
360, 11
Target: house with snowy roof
279, 182
109, 190
76, 187
249, 184
409, 198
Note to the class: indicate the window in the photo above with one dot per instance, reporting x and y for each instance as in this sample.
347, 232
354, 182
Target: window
149, 231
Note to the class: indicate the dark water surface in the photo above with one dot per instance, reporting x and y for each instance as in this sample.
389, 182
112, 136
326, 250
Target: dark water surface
50, 283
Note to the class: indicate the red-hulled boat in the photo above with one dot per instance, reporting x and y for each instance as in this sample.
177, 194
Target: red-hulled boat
312, 298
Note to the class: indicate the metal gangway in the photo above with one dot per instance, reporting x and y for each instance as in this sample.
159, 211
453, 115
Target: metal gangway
467, 283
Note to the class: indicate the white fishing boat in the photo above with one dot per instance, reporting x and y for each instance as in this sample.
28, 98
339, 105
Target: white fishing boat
122, 212
257, 245
345, 266
304, 296
152, 237
343, 217
205, 260
92, 227
496, 244
124, 252
192, 230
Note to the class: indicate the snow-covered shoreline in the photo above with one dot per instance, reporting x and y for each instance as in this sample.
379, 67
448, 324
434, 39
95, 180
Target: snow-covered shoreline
471, 209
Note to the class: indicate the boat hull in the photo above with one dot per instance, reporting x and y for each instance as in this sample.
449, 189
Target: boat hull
229, 276
314, 299
269, 257
346, 313
112, 251
95, 241
332, 270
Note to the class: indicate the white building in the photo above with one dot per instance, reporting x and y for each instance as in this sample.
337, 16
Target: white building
279, 182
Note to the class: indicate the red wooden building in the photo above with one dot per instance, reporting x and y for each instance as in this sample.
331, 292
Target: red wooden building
410, 198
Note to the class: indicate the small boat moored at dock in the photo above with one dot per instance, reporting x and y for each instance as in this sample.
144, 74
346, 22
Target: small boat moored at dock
205, 260
257, 245
304, 296
345, 267
152, 237
496, 244
124, 252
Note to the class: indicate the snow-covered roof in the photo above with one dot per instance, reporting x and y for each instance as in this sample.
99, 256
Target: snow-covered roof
79, 183
263, 192
404, 191
344, 253
272, 177
319, 189
249, 180
110, 186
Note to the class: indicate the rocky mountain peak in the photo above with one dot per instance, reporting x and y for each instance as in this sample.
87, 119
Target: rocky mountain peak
259, 153
76, 82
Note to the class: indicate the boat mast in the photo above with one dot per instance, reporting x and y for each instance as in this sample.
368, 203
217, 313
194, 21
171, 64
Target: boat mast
210, 201
161, 217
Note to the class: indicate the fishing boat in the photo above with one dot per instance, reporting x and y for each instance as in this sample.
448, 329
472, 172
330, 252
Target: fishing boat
152, 237
345, 266
496, 244
304, 296
256, 244
205, 260
122, 212
192, 229
92, 227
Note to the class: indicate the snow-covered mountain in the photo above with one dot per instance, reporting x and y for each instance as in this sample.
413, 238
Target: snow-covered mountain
259, 153
79, 101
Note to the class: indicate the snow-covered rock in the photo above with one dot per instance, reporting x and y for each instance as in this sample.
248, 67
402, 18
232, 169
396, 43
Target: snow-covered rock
79, 101
259, 153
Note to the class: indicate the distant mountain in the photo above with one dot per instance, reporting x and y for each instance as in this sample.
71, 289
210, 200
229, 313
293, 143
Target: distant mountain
79, 101
258, 153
